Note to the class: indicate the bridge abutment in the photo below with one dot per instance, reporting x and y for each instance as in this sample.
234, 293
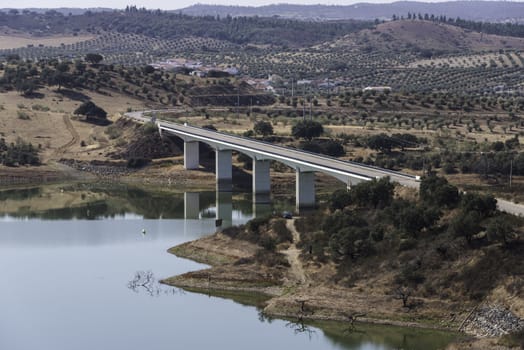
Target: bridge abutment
305, 189
191, 155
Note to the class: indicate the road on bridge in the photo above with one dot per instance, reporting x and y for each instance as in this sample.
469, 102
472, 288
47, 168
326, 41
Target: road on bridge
307, 159
303, 159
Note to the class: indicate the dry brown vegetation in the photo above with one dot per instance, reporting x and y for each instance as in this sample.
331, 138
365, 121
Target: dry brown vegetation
442, 37
13, 41
46, 125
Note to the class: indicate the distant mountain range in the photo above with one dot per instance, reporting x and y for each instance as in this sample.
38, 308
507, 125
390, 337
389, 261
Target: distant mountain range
489, 11
476, 10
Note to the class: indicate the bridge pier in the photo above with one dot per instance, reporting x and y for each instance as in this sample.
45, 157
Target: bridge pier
261, 181
305, 189
224, 170
191, 155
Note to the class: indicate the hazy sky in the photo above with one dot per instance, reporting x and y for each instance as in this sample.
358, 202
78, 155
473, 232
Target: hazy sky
165, 4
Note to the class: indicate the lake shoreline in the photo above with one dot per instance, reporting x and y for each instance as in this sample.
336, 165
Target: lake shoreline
284, 296
316, 300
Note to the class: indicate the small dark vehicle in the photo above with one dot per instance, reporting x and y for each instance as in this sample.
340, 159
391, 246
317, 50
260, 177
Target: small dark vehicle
287, 215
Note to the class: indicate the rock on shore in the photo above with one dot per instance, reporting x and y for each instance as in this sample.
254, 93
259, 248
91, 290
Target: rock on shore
492, 321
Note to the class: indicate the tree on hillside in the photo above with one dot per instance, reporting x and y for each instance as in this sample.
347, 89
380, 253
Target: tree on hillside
436, 190
500, 229
93, 58
26, 86
466, 224
374, 193
381, 142
307, 129
91, 111
263, 128
483, 204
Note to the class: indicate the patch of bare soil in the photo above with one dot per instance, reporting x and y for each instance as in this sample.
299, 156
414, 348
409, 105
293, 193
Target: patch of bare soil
296, 272
75, 138
16, 40
231, 270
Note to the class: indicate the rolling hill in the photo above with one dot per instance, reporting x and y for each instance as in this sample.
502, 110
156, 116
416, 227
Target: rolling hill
491, 11
416, 35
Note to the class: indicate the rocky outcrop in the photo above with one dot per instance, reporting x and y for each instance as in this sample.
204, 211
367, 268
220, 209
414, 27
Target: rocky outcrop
492, 321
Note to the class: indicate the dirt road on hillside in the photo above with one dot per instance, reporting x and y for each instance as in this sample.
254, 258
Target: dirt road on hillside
74, 134
297, 275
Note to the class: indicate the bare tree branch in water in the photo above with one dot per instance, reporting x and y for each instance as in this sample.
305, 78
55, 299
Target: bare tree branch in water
299, 326
352, 318
146, 281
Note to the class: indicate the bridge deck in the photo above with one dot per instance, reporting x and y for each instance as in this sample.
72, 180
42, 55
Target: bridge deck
302, 159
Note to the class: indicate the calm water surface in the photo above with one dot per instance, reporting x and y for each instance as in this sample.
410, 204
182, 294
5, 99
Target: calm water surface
74, 263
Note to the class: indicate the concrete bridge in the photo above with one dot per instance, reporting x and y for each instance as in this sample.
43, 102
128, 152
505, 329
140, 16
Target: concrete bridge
304, 163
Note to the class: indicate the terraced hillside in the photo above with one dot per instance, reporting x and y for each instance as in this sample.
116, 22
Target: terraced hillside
122, 48
409, 55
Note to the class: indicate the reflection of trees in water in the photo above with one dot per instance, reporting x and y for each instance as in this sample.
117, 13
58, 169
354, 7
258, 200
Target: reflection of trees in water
154, 206
149, 204
20, 194
107, 200
145, 281
299, 327
92, 210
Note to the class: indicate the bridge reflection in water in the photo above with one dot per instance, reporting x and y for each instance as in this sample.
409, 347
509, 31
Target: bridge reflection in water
225, 210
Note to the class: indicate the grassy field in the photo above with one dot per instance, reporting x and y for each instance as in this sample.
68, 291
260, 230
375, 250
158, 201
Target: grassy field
48, 122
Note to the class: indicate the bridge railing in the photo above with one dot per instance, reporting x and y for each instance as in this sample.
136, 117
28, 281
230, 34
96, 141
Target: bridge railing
366, 166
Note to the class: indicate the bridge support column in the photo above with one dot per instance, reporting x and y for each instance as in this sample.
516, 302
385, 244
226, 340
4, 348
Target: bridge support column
224, 170
191, 205
305, 189
191, 155
261, 181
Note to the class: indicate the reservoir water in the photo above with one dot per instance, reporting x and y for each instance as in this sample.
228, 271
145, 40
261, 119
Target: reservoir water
80, 264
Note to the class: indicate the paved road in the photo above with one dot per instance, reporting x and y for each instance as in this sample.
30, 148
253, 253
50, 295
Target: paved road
301, 159
510, 207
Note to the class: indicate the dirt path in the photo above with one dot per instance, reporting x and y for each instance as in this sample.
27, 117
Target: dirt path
297, 274
69, 126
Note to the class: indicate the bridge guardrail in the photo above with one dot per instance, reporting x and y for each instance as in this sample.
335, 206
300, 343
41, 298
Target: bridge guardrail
345, 162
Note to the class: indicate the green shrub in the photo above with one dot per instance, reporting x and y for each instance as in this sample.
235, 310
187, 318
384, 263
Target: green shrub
113, 132
149, 128
280, 228
23, 115
254, 225
484, 204
135, 163
39, 107
437, 191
